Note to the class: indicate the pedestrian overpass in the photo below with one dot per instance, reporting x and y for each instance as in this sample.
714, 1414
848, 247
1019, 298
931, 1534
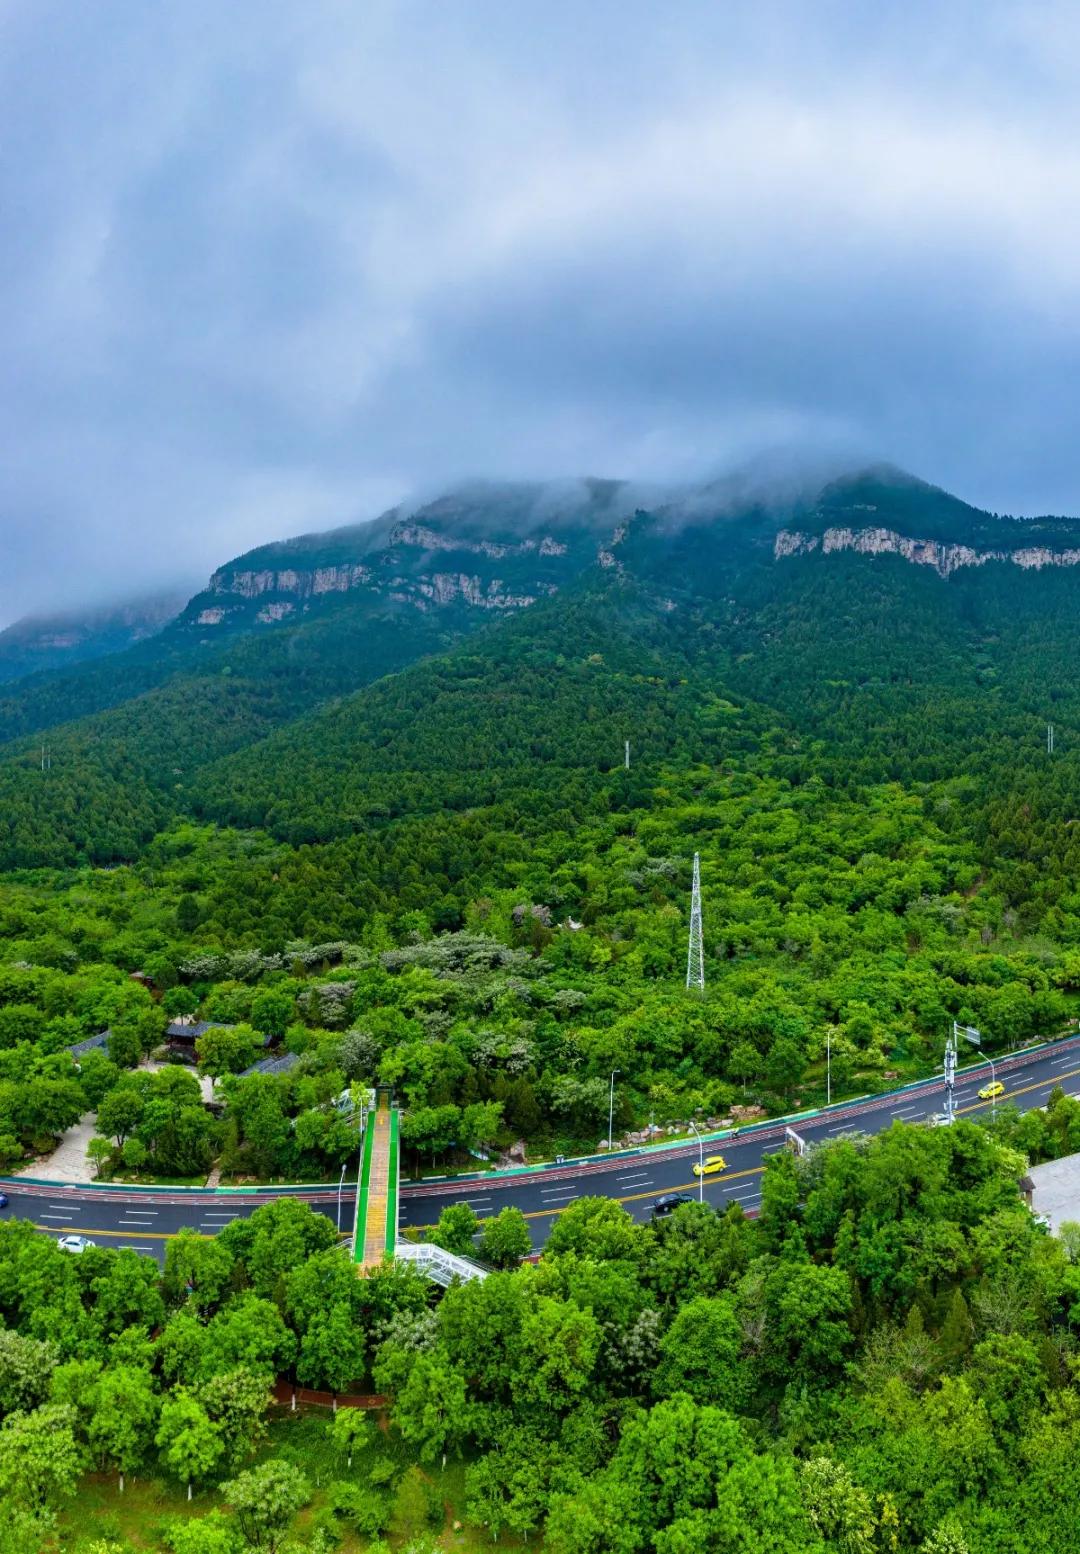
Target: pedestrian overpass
375, 1228
376, 1224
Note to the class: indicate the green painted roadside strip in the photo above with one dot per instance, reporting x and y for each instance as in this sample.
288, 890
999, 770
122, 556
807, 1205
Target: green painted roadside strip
360, 1226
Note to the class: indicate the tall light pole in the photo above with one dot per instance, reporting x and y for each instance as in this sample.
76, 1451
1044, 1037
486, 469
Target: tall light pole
611, 1107
340, 1185
828, 1067
993, 1082
701, 1164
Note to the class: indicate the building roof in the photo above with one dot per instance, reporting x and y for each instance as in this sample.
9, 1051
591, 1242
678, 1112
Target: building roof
1056, 1190
191, 1030
280, 1065
91, 1044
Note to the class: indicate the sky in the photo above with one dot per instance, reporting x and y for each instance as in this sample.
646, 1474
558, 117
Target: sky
270, 267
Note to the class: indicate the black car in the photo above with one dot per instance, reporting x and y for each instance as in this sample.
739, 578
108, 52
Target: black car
669, 1203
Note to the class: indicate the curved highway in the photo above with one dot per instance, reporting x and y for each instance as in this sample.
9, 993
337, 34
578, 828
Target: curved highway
145, 1219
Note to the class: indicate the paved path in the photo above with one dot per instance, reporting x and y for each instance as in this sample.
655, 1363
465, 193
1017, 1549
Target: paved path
68, 1162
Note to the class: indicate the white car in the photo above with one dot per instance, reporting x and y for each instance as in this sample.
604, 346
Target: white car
75, 1243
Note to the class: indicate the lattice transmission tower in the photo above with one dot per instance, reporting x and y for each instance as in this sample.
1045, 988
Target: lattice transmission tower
695, 959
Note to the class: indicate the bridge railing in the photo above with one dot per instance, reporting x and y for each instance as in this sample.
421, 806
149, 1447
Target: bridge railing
439, 1265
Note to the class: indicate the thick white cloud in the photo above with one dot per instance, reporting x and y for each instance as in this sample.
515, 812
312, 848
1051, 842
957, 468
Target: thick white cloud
267, 266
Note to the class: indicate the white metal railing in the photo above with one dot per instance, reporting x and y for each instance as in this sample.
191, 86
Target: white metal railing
439, 1265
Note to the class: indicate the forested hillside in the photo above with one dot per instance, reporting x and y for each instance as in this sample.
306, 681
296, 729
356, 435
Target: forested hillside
853, 743
401, 844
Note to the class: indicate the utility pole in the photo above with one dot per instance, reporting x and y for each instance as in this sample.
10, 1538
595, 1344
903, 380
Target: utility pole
627, 755
971, 1034
950, 1074
1049, 739
695, 958
611, 1107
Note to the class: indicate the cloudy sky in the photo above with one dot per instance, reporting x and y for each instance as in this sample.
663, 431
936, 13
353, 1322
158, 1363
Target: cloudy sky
266, 267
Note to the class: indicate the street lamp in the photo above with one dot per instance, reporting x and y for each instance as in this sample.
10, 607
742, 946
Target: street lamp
828, 1067
611, 1107
701, 1164
993, 1082
340, 1185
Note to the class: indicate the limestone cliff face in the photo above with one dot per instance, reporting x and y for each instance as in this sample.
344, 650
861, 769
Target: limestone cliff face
289, 580
414, 565
944, 558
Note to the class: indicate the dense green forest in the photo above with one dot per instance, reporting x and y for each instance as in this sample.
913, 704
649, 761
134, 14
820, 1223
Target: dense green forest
885, 1360
403, 847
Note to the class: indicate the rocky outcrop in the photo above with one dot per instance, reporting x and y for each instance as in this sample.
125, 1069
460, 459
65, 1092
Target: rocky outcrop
944, 558
445, 587
290, 580
430, 539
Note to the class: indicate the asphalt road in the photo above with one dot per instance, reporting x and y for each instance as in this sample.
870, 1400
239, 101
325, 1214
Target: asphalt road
145, 1220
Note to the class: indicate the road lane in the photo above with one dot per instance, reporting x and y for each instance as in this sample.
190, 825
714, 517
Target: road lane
119, 1216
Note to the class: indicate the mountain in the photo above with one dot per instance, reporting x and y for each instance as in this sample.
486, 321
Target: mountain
49, 642
912, 632
491, 548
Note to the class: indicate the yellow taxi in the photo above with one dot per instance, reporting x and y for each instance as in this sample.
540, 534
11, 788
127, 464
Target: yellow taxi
988, 1092
712, 1165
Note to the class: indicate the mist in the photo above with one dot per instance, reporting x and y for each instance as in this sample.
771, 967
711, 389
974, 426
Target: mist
260, 280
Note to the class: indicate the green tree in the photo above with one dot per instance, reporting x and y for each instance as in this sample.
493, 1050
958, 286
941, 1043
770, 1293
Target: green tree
840, 1511
332, 1350
40, 1459
431, 1411
121, 1427
785, 1065
264, 1501
26, 1367
99, 1151
456, 1229
237, 1402
191, 1442
211, 1534
745, 1062
120, 1113
226, 1049
248, 1333
351, 1431
505, 1239
197, 1268
807, 1311
701, 1354
272, 1011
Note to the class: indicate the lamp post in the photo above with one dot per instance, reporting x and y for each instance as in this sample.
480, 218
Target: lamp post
828, 1067
340, 1185
993, 1082
701, 1164
611, 1106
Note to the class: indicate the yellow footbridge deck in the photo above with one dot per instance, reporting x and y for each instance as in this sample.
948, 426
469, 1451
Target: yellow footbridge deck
375, 1233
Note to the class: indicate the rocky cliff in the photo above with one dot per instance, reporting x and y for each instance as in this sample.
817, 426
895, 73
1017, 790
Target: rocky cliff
944, 558
491, 549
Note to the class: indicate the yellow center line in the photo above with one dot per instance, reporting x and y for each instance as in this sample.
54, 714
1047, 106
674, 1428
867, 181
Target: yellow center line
658, 1192
142, 1235
634, 1197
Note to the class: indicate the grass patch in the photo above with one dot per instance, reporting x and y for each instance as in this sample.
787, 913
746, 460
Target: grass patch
142, 1513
